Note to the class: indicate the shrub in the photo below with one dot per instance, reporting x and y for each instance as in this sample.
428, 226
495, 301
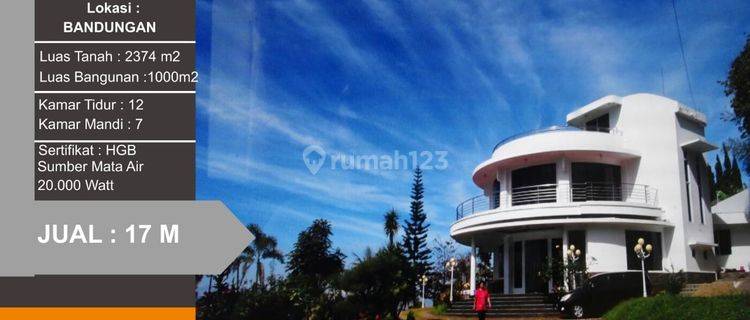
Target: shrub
718, 288
410, 315
439, 309
666, 306
675, 282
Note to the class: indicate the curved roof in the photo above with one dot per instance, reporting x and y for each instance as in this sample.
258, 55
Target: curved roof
550, 143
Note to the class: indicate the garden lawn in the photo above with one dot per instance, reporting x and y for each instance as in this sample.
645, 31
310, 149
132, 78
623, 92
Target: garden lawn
665, 306
427, 314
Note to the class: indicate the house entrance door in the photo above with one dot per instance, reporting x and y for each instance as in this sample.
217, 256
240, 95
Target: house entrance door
536, 258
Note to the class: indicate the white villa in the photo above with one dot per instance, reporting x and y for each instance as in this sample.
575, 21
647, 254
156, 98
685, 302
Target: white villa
732, 231
622, 168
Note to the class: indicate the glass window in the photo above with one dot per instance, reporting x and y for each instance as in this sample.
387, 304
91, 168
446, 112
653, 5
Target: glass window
518, 264
595, 182
495, 194
600, 124
556, 248
578, 238
687, 186
723, 238
535, 184
651, 263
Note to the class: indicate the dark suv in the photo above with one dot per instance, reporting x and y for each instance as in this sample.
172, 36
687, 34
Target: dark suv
602, 292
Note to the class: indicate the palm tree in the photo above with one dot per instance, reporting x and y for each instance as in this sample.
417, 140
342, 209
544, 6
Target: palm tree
240, 265
391, 225
263, 247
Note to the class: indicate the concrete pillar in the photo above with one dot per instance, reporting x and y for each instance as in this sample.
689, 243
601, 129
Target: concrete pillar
565, 257
549, 263
563, 180
506, 265
473, 268
505, 191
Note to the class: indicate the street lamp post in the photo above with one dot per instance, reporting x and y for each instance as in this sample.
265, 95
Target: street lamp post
424, 281
573, 256
643, 254
451, 264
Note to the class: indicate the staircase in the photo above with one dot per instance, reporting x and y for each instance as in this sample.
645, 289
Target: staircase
517, 305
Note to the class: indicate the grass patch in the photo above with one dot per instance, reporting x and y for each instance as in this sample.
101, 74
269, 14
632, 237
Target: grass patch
440, 309
665, 306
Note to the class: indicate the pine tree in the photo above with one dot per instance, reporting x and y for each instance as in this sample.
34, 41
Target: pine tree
728, 176
719, 186
711, 182
415, 233
736, 177
727, 163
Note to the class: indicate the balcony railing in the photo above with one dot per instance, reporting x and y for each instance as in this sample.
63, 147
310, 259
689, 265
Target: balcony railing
542, 193
559, 193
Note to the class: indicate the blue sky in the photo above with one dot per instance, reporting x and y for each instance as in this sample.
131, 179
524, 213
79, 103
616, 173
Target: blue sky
371, 77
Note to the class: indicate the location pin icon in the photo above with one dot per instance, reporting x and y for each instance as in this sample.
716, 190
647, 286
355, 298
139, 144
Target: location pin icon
314, 156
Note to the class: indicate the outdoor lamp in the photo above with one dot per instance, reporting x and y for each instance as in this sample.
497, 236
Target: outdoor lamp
642, 254
574, 255
450, 265
424, 281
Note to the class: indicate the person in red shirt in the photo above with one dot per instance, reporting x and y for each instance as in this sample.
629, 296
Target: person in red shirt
482, 301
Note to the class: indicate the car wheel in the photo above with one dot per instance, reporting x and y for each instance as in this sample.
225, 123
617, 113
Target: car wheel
577, 311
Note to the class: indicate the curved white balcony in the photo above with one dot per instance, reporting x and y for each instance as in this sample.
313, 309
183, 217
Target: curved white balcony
536, 204
552, 143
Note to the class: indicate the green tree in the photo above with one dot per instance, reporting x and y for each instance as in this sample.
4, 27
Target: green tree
390, 225
737, 88
736, 177
379, 285
727, 179
262, 248
313, 264
240, 265
728, 174
442, 252
711, 183
719, 174
414, 240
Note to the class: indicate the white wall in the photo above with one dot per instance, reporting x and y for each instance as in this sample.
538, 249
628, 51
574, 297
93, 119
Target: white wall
607, 245
740, 236
696, 230
649, 125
